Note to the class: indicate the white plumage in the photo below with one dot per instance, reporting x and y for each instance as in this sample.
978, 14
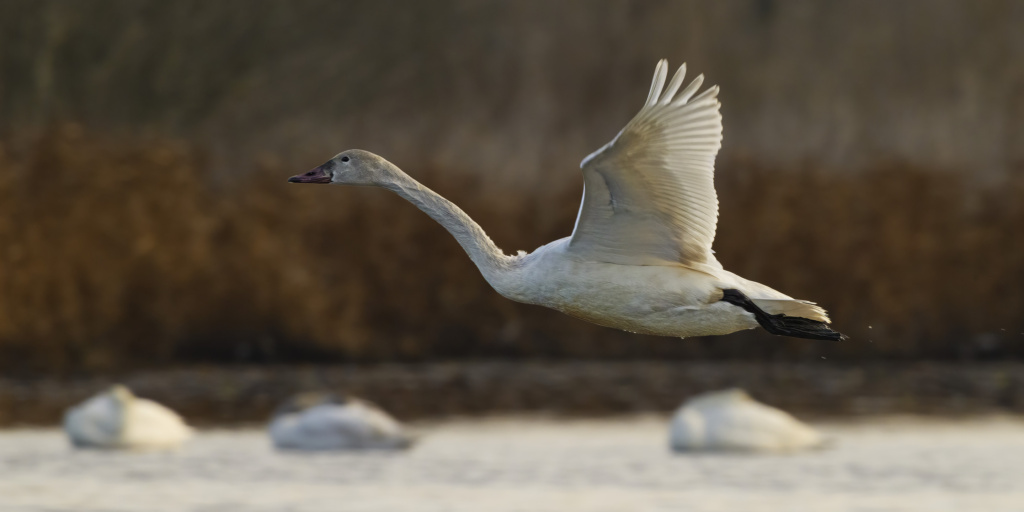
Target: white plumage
732, 421
117, 419
639, 258
322, 422
649, 195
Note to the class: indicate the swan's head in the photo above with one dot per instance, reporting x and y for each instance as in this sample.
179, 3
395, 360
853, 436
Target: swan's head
121, 394
352, 167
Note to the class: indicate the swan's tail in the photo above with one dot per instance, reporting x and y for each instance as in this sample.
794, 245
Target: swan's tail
795, 318
793, 307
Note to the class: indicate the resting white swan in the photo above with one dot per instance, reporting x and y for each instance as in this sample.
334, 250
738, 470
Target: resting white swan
118, 419
639, 258
732, 421
315, 421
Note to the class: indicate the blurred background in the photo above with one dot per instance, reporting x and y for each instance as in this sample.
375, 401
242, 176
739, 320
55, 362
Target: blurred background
873, 161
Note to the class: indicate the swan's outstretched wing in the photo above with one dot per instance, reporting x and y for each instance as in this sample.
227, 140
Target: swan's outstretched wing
649, 194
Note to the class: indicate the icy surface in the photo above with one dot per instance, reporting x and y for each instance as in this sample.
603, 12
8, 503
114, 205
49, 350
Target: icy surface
532, 465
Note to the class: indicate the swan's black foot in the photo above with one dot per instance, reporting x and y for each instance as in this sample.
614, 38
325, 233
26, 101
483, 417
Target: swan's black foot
783, 325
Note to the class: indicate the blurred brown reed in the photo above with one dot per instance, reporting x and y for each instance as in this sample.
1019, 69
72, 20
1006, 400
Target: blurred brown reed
119, 252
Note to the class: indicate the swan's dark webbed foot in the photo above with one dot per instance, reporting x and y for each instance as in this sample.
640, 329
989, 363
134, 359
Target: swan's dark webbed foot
783, 325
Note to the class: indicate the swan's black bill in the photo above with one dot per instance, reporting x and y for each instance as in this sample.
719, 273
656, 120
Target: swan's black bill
783, 325
317, 175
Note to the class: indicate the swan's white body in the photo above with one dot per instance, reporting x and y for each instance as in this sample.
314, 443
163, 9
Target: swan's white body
639, 258
351, 425
732, 421
648, 299
117, 419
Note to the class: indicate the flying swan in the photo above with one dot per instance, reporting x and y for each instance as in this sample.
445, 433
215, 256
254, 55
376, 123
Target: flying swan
639, 258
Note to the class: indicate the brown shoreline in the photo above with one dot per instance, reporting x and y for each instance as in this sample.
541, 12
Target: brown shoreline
226, 395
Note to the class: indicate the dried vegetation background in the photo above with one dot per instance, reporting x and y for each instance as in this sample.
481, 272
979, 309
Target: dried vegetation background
872, 163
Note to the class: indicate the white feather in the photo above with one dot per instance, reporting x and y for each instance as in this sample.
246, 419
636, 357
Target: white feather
673, 86
690, 89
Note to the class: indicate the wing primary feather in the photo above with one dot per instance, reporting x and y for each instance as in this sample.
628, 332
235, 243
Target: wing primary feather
673, 86
660, 73
660, 170
690, 89
710, 93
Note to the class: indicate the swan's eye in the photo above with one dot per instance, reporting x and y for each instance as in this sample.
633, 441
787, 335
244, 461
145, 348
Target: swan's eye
344, 159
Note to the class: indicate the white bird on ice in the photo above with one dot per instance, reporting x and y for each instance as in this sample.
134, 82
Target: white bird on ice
315, 421
730, 420
117, 419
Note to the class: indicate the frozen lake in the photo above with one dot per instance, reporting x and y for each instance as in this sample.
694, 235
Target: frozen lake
533, 465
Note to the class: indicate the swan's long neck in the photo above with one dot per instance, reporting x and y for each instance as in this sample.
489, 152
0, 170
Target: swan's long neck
496, 267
